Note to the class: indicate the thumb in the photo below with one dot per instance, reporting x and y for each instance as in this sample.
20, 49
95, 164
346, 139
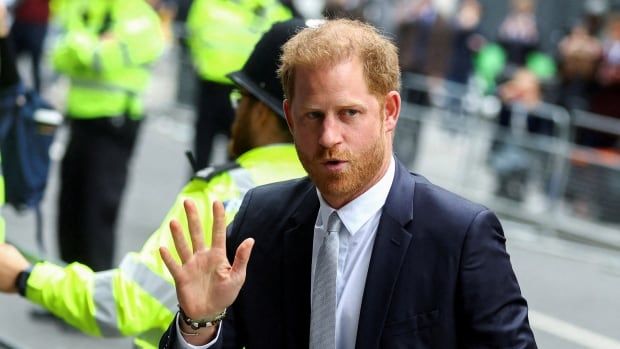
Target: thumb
242, 257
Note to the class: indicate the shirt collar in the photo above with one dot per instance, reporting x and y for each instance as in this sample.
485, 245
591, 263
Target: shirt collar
357, 212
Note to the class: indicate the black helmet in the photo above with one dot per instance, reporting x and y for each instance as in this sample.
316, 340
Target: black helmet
259, 74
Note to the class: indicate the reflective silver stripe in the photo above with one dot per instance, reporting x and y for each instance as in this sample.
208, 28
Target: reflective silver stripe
76, 82
125, 53
205, 172
243, 180
105, 306
97, 64
150, 282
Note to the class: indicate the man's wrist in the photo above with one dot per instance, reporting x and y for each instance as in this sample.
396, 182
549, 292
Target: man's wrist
202, 336
21, 282
196, 324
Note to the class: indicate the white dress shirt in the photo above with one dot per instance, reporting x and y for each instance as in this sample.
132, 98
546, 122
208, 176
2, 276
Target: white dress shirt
360, 220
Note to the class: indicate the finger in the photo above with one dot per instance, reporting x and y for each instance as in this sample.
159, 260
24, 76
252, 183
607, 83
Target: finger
242, 257
195, 228
218, 233
179, 241
171, 264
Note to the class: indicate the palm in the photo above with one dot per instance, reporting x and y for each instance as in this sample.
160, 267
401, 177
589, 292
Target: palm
206, 283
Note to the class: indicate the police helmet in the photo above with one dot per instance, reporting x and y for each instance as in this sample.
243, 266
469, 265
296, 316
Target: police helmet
259, 74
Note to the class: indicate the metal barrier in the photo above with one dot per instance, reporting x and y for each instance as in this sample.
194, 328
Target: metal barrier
457, 143
594, 177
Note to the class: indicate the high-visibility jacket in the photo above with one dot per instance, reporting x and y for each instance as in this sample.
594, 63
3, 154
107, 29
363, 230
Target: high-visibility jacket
222, 33
106, 50
138, 298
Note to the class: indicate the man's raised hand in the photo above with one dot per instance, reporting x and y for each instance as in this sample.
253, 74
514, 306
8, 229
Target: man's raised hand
206, 283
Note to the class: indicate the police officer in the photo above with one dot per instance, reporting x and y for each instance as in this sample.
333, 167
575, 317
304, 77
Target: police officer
105, 50
141, 286
221, 35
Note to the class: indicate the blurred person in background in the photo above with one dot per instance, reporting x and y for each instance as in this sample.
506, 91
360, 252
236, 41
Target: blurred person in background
138, 298
9, 77
221, 35
28, 33
466, 40
105, 50
520, 117
518, 32
593, 187
423, 37
605, 99
579, 56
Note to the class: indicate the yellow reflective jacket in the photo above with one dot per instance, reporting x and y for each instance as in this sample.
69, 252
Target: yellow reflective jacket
222, 34
138, 298
106, 49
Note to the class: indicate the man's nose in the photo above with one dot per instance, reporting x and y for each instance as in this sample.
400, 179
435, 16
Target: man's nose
330, 132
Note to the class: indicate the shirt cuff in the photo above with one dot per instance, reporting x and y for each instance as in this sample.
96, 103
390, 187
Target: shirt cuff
181, 343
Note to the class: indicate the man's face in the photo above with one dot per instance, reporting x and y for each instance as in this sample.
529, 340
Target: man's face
342, 132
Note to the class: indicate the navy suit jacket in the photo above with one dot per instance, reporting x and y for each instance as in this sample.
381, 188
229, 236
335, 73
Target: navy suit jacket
439, 275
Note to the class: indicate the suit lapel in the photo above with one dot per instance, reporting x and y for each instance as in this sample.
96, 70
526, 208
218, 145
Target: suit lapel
297, 265
389, 250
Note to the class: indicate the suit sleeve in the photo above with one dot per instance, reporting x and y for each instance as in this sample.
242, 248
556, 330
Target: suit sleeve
493, 312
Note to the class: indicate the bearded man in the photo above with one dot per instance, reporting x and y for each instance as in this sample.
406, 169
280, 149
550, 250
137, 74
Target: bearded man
361, 253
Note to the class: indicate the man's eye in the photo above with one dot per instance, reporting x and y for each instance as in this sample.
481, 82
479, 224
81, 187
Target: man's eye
314, 114
350, 112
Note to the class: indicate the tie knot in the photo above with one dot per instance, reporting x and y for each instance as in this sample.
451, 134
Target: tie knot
333, 223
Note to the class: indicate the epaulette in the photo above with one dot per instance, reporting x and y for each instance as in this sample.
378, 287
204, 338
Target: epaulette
206, 174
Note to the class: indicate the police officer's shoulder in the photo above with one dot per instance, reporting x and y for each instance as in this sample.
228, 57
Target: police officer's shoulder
208, 173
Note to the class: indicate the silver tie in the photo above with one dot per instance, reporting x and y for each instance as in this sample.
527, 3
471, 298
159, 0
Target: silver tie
323, 312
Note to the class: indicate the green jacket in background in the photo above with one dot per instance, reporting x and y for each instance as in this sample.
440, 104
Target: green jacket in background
138, 298
222, 33
105, 50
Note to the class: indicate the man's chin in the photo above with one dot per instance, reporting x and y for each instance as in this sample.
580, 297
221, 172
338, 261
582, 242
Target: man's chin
331, 185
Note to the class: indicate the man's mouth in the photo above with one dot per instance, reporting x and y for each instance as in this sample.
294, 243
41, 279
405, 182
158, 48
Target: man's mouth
333, 164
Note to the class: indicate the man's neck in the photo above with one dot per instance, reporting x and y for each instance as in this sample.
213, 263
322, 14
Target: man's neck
337, 201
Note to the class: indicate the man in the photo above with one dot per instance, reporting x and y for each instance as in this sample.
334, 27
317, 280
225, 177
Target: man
138, 297
362, 254
106, 50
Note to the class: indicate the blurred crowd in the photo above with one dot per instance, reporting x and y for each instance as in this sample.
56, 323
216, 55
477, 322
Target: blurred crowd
580, 71
438, 38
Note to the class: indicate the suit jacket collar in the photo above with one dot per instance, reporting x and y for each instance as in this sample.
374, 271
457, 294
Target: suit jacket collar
391, 244
297, 266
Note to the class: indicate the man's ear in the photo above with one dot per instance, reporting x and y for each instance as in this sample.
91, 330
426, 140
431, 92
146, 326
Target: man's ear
261, 113
287, 113
391, 109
